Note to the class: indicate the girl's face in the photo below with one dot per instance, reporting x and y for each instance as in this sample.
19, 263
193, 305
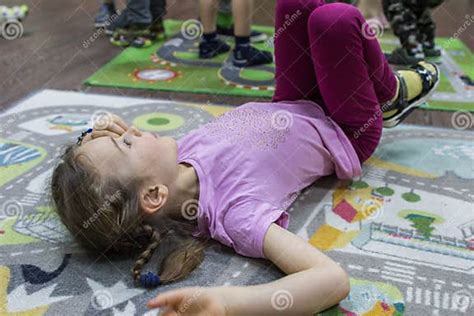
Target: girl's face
134, 154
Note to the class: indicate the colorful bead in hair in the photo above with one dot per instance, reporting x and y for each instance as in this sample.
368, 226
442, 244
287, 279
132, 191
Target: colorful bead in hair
149, 280
83, 134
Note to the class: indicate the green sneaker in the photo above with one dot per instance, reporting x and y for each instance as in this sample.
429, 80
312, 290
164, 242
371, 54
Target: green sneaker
396, 111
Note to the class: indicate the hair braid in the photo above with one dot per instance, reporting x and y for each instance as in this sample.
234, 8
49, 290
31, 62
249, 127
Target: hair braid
145, 256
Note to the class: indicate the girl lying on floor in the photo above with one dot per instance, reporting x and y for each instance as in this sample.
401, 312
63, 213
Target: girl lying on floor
120, 189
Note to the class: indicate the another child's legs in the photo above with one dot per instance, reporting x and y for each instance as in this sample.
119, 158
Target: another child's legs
294, 72
353, 76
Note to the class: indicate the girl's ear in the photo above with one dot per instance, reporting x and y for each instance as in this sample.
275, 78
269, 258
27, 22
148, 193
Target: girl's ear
152, 198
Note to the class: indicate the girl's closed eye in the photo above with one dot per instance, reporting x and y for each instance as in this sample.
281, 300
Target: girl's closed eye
126, 142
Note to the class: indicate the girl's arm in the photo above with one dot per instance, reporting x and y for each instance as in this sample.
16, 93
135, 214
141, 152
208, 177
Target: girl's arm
314, 282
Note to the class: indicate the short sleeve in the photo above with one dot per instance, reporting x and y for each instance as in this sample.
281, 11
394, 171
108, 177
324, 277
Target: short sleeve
247, 222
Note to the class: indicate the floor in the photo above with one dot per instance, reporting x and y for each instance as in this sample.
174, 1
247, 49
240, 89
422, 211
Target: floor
51, 55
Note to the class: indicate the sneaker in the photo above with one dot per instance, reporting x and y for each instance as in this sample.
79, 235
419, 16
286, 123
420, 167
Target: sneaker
255, 36
157, 30
212, 48
396, 111
431, 50
134, 35
401, 56
250, 56
105, 15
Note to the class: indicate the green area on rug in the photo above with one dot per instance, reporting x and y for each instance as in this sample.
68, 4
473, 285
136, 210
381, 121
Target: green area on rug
142, 69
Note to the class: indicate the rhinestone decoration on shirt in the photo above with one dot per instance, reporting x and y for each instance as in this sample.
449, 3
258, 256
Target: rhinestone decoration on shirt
255, 127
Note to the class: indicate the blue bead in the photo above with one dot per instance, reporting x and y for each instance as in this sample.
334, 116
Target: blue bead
150, 280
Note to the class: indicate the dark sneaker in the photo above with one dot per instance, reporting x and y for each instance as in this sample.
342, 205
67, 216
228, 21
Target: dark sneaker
157, 30
105, 15
401, 56
255, 36
248, 56
431, 51
212, 48
134, 35
396, 111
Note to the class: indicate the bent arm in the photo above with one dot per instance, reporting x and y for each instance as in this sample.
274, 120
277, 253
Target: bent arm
314, 282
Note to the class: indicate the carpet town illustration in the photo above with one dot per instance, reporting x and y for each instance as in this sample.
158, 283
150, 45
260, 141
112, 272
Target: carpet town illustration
404, 230
174, 65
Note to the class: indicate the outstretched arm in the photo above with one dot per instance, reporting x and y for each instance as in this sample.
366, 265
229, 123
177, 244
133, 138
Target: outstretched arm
314, 283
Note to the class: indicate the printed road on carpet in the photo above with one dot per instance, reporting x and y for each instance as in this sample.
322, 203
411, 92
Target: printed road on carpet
404, 231
174, 65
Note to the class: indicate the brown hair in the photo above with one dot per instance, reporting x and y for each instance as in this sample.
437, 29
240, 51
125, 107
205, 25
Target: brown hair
104, 215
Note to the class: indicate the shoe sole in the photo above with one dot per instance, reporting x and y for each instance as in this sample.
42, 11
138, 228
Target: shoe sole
390, 123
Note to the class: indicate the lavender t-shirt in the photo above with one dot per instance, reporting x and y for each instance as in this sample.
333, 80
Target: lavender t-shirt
252, 162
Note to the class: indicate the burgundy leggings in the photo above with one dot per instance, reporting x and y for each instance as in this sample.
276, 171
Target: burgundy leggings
323, 54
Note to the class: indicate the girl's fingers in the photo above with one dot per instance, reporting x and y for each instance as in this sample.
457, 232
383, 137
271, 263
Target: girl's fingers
118, 120
170, 298
102, 133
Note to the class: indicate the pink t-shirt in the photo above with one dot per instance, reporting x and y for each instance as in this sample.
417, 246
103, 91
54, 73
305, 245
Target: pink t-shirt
253, 161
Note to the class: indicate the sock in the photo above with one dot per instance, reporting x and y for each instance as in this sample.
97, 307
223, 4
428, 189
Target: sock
207, 37
241, 41
413, 80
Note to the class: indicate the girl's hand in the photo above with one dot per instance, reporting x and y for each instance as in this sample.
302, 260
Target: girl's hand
109, 125
189, 301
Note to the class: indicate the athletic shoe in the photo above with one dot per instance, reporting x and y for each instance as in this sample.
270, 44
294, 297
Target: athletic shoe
401, 56
247, 56
396, 111
212, 48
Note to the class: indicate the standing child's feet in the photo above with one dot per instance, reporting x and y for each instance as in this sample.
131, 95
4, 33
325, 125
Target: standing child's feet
403, 56
211, 46
246, 55
135, 35
157, 30
105, 15
414, 87
431, 50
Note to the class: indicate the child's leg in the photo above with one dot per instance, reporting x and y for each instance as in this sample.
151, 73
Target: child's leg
352, 73
294, 74
138, 12
403, 21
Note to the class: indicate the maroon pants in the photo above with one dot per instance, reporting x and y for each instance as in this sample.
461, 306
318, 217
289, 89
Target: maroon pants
326, 54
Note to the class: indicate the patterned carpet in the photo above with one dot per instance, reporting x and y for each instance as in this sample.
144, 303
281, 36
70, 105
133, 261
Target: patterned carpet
404, 231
